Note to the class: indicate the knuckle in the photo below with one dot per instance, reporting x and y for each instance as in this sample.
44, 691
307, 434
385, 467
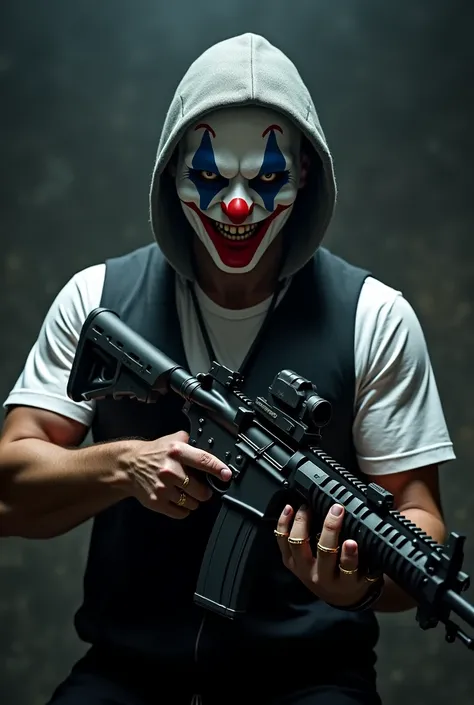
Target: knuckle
348, 561
175, 448
165, 468
207, 461
204, 458
165, 473
331, 524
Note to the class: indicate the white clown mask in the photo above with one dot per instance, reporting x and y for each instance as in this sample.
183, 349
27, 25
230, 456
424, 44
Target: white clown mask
237, 178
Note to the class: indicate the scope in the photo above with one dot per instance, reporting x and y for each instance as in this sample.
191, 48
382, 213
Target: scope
298, 396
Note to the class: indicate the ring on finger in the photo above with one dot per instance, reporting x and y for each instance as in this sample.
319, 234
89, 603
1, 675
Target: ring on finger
185, 482
345, 571
280, 534
297, 542
182, 499
325, 549
373, 578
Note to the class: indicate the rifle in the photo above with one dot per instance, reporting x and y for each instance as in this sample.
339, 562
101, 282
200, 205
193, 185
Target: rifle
272, 446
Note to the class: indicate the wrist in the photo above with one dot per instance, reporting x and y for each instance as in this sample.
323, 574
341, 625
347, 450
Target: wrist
118, 463
367, 602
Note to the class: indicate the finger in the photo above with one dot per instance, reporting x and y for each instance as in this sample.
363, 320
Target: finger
199, 459
282, 532
174, 512
174, 475
168, 509
193, 486
301, 552
182, 499
349, 562
329, 539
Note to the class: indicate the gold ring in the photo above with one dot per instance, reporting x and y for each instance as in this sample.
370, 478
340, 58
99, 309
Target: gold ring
373, 578
182, 499
347, 572
280, 534
185, 482
297, 542
325, 549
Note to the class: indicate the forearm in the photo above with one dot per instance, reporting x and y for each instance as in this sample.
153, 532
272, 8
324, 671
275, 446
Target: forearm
46, 490
393, 598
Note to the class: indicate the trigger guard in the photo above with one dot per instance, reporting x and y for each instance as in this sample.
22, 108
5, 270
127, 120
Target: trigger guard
217, 485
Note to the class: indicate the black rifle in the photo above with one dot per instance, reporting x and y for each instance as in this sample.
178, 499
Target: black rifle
272, 448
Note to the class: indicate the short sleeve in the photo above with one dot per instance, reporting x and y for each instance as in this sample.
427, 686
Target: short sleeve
43, 380
399, 421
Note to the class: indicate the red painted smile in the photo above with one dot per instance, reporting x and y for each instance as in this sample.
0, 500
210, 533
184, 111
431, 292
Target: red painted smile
236, 245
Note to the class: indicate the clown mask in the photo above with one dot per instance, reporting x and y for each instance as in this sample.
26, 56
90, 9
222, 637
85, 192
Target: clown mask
237, 178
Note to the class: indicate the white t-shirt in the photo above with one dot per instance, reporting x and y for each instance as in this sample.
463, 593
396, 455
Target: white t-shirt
399, 422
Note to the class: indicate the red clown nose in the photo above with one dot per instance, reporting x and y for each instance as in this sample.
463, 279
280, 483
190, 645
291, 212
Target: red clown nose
237, 210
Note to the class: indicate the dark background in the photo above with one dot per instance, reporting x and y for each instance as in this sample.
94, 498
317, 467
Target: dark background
85, 86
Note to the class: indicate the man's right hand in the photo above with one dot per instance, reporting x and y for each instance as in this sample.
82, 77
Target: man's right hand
160, 474
48, 485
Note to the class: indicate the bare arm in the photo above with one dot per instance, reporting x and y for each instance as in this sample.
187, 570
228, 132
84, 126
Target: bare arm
47, 486
416, 494
400, 432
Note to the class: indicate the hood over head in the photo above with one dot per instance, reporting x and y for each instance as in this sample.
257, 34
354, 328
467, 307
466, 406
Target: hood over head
243, 71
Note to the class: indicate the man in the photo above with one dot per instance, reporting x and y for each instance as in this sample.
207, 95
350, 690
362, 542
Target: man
242, 194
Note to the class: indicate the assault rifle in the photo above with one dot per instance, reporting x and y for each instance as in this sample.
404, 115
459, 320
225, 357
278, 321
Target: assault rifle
272, 446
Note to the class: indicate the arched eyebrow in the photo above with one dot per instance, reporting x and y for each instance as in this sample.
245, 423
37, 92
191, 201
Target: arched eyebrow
270, 128
205, 126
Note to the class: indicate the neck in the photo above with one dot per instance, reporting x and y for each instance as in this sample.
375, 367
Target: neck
238, 291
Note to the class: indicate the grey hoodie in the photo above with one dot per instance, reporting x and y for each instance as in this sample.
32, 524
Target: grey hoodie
243, 70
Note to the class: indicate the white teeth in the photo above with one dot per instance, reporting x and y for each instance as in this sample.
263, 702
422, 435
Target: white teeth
242, 232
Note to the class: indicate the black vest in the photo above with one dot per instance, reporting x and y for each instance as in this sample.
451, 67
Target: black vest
142, 567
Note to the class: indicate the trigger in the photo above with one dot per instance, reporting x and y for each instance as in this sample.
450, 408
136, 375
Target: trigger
218, 485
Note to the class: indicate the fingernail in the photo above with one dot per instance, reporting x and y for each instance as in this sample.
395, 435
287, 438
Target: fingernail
351, 548
336, 510
226, 474
287, 510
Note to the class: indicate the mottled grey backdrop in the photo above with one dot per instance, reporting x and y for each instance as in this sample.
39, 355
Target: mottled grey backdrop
84, 89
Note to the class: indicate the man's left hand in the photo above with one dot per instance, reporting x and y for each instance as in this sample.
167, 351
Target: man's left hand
332, 575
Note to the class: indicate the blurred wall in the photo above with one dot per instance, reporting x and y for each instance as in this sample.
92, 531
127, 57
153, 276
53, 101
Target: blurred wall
85, 86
